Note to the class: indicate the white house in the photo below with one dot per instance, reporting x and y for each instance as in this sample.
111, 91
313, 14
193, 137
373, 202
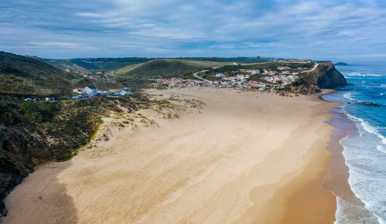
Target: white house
89, 91
220, 75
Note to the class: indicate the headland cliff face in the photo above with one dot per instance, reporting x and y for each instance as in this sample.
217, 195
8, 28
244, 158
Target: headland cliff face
326, 76
323, 76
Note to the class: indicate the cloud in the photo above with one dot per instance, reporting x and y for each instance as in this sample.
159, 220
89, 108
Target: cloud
282, 28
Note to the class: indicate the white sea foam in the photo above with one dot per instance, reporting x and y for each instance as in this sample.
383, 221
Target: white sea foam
349, 96
359, 74
346, 212
367, 127
365, 155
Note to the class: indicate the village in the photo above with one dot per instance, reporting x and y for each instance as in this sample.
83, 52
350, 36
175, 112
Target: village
89, 92
84, 94
267, 79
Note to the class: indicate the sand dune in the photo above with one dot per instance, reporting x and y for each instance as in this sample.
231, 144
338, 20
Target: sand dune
246, 158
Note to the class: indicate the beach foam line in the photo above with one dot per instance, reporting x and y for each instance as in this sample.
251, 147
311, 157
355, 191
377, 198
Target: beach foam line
348, 96
342, 205
367, 127
362, 126
359, 74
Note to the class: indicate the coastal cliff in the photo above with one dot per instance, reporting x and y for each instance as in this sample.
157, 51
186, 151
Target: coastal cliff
328, 77
323, 76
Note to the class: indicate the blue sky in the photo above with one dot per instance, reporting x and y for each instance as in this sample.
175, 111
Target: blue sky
320, 29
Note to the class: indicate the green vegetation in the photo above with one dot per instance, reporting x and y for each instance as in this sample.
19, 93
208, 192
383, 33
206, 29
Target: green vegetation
95, 64
32, 133
139, 75
265, 65
241, 60
84, 65
21, 75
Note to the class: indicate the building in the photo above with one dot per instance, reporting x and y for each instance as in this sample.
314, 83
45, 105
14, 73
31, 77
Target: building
89, 92
220, 75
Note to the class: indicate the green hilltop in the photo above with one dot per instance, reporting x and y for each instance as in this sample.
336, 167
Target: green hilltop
140, 74
20, 75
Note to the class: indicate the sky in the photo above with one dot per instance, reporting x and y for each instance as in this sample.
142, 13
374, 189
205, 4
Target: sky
318, 29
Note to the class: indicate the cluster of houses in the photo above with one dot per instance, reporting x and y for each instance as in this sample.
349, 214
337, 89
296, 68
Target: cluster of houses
36, 99
278, 78
83, 94
179, 83
89, 92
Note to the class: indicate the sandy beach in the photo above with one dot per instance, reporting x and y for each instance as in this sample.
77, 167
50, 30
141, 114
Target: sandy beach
245, 158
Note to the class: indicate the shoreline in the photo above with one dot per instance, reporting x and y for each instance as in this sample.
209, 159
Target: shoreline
349, 206
236, 182
338, 171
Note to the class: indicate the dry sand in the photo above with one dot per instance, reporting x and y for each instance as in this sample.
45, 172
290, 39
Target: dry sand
246, 158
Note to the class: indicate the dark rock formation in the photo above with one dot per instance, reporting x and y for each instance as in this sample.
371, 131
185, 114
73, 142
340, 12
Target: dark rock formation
325, 76
329, 77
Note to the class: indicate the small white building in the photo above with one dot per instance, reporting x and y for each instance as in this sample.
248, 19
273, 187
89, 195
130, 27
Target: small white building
77, 91
220, 75
89, 92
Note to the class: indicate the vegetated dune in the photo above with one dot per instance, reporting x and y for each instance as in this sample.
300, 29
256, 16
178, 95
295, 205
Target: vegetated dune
31, 76
246, 158
96, 64
164, 68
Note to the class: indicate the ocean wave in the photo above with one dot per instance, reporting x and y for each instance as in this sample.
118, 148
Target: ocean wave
381, 148
370, 129
364, 180
359, 74
350, 97
369, 103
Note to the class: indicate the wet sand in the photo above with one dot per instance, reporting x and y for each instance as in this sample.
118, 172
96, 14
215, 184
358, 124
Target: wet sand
246, 158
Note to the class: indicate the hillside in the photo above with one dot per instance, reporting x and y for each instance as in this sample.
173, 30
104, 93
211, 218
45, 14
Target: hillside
32, 133
20, 75
95, 64
67, 65
86, 65
162, 68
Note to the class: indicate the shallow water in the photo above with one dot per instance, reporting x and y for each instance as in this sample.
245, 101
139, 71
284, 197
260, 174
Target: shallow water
364, 102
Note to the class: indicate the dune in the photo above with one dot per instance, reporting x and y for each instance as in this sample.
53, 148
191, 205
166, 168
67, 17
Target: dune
246, 158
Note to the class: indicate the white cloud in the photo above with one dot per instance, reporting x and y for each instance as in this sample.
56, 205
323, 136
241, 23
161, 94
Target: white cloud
176, 27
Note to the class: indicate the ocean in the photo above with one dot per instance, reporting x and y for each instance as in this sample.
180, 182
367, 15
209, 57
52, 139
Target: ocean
363, 101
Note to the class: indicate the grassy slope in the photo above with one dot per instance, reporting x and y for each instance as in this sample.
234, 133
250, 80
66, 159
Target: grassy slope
86, 65
110, 64
136, 76
64, 64
164, 68
30, 76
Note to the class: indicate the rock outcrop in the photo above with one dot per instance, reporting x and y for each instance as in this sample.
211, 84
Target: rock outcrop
323, 76
328, 77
